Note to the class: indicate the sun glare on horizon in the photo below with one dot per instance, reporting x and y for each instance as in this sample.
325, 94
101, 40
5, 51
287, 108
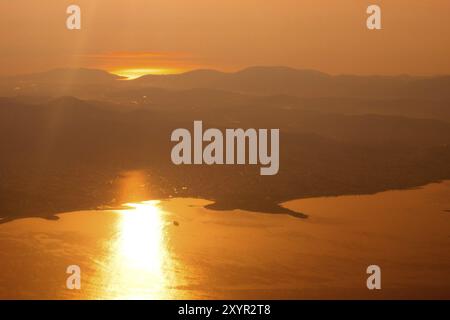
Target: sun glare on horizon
131, 74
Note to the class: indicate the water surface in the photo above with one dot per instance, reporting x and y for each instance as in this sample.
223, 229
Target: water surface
176, 249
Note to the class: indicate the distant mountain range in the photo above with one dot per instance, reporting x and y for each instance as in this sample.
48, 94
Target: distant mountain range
279, 87
66, 76
253, 80
67, 137
67, 154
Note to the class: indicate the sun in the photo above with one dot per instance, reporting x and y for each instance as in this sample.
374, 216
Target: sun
131, 74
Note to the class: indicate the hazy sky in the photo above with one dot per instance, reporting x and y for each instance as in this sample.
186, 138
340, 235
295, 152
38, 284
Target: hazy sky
175, 35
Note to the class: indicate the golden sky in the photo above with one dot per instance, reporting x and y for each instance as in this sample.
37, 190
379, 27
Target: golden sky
166, 36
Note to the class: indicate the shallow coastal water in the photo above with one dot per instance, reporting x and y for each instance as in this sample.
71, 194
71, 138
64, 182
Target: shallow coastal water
176, 249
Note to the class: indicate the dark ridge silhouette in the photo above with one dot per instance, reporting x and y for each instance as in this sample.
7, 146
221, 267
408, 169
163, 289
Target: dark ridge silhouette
67, 154
305, 83
69, 137
79, 75
97, 84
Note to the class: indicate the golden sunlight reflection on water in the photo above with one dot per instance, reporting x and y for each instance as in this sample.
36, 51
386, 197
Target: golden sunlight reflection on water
178, 249
139, 255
